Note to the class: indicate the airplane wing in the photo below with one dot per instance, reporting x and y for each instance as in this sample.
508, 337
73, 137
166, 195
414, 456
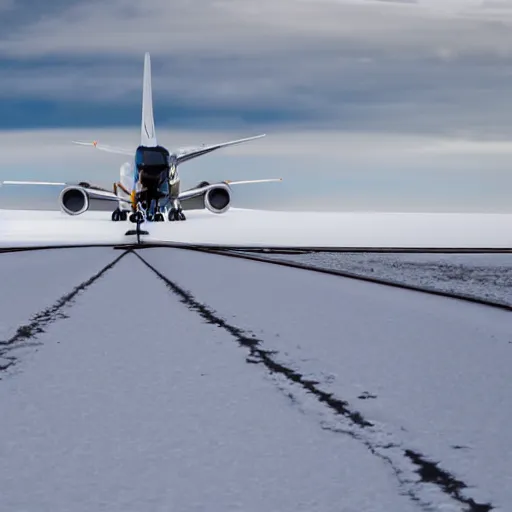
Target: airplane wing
197, 191
104, 147
95, 193
46, 183
104, 194
245, 182
188, 154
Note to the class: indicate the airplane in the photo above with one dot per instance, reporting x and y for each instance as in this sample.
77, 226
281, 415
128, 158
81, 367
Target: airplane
150, 188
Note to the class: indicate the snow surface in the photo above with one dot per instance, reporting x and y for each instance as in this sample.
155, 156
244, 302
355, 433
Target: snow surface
439, 369
160, 412
485, 276
207, 387
30, 280
256, 228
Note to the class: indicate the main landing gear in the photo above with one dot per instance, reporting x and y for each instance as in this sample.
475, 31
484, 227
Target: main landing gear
172, 215
175, 214
119, 215
149, 217
141, 215
176, 211
157, 217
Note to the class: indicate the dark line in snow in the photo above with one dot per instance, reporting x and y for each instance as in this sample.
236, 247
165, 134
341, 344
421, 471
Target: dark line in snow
47, 316
28, 248
10, 362
269, 249
429, 472
259, 355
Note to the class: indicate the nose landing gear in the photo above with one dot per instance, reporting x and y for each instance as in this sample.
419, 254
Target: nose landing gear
137, 217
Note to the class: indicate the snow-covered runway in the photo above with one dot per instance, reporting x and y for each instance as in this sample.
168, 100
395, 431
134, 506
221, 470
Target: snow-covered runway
189, 381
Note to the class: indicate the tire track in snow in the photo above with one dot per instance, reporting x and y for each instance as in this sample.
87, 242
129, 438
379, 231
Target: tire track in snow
360, 428
45, 317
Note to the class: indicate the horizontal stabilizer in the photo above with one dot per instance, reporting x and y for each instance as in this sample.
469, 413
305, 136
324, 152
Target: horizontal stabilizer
104, 147
185, 155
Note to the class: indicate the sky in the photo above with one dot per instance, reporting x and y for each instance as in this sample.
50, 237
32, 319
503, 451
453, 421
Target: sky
367, 104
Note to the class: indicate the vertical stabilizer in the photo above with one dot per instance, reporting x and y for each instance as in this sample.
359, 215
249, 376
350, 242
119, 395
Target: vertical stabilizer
147, 130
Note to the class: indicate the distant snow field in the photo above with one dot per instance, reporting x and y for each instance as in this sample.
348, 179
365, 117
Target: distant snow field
257, 228
485, 276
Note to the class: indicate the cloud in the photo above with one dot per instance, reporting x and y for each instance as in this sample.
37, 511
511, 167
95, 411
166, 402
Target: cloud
6, 5
244, 27
428, 67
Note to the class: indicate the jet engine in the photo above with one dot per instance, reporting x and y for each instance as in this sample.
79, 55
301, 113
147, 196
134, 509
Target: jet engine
218, 198
215, 197
75, 200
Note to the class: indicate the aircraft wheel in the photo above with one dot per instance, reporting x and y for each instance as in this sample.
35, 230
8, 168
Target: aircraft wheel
116, 215
136, 217
159, 217
176, 215
123, 215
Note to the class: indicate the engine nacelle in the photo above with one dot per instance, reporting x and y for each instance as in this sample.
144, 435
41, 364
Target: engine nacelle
74, 200
218, 198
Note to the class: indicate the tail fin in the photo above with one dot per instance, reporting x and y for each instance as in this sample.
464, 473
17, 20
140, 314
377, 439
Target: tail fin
147, 129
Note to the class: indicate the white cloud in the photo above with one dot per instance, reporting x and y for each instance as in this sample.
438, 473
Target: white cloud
250, 28
53, 147
434, 66
398, 105
469, 147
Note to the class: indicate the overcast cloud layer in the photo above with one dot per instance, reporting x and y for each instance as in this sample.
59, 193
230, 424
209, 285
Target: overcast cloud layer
432, 75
